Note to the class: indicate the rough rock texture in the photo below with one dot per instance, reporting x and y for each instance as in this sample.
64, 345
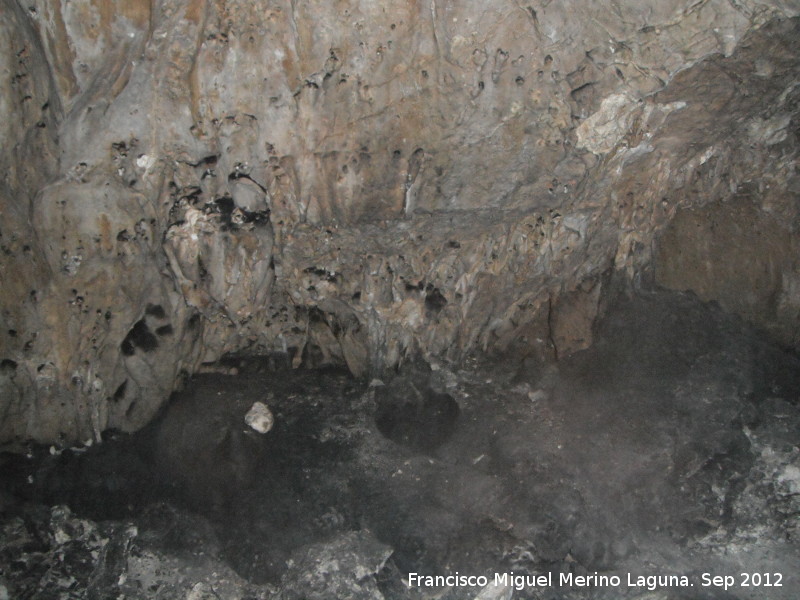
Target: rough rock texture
745, 258
671, 446
55, 554
352, 182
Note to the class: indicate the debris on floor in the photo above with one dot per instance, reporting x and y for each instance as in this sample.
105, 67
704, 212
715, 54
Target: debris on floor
661, 463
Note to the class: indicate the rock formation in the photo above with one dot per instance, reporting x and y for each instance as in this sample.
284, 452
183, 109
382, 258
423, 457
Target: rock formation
358, 182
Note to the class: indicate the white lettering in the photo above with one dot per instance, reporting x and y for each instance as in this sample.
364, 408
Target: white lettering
592, 580
453, 580
653, 582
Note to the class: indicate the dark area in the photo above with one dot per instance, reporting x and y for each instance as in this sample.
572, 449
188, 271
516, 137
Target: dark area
225, 205
165, 330
156, 310
139, 336
119, 394
670, 442
415, 415
434, 300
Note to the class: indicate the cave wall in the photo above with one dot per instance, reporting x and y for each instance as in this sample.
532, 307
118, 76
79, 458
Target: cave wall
739, 256
352, 182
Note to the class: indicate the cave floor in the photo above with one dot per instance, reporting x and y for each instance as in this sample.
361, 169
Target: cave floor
669, 448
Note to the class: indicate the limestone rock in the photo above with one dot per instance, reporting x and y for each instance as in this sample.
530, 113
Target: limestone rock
352, 184
344, 567
495, 592
739, 256
259, 417
573, 317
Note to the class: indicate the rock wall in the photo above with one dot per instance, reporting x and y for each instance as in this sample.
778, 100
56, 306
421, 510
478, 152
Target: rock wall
742, 257
352, 182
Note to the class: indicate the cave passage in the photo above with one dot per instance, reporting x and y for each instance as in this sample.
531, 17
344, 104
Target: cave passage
670, 447
298, 299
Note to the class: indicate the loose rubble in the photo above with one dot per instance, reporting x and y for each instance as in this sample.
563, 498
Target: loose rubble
669, 448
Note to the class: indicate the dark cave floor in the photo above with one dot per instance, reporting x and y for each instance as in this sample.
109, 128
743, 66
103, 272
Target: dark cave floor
670, 447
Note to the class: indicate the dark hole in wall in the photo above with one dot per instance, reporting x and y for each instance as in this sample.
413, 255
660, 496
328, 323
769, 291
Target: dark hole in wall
335, 325
322, 273
119, 394
258, 217
156, 310
208, 161
434, 300
201, 269
225, 205
316, 315
139, 336
194, 321
127, 347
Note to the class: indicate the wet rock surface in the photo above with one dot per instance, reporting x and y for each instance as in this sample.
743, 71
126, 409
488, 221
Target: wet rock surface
669, 447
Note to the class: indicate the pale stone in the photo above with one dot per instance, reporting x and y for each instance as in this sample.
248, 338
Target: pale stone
495, 592
259, 417
605, 128
790, 477
769, 131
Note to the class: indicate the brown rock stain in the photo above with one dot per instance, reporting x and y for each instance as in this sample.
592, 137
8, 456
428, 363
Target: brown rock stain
195, 11
106, 11
62, 51
104, 225
138, 11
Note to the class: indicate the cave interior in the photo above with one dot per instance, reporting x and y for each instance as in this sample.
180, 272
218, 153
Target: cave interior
453, 300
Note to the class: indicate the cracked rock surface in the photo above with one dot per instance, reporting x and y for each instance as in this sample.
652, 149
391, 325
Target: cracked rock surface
355, 184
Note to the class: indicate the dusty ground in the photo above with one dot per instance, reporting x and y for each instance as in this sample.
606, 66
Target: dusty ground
668, 448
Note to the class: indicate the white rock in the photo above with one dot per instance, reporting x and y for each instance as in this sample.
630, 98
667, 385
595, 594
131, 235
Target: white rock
769, 131
201, 591
495, 592
601, 131
790, 476
145, 162
259, 417
538, 395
